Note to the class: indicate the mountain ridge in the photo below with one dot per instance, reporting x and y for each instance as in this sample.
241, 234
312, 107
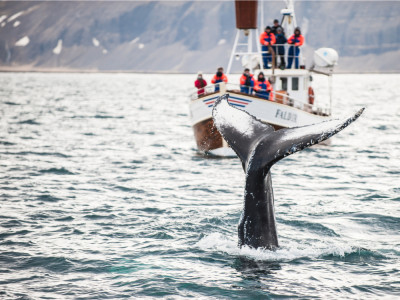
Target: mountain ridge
183, 37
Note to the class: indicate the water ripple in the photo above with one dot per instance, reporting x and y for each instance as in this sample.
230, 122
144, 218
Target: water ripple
103, 196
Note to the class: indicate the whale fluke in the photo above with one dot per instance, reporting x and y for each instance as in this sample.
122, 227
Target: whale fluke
259, 147
244, 133
240, 129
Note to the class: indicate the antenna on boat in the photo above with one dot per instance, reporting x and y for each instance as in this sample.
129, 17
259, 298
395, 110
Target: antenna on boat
289, 22
246, 33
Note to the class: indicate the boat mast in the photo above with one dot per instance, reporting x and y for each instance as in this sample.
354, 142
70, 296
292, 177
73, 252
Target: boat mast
289, 22
262, 24
246, 31
330, 93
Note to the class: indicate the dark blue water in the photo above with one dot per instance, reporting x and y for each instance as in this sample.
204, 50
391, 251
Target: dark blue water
104, 196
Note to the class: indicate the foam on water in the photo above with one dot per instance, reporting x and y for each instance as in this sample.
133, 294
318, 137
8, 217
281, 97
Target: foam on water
288, 252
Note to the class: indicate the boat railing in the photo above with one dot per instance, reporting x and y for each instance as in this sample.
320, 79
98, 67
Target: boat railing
284, 98
282, 55
281, 97
206, 91
279, 52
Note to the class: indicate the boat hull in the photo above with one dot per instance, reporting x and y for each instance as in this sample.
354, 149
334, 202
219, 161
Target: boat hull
207, 136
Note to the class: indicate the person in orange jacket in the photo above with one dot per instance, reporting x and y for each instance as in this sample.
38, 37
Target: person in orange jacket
219, 77
262, 86
246, 82
296, 40
267, 38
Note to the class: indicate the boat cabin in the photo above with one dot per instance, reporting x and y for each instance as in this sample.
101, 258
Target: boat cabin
294, 83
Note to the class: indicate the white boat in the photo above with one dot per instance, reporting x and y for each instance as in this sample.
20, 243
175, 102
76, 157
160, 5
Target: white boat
291, 102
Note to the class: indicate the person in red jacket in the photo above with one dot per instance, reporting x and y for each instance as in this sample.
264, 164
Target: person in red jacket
246, 82
267, 39
219, 77
200, 83
262, 86
296, 40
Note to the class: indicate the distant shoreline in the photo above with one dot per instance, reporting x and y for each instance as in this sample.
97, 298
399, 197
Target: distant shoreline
69, 70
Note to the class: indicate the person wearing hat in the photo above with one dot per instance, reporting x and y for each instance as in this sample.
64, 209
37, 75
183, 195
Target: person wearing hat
296, 40
275, 27
280, 47
267, 39
262, 86
200, 83
246, 82
219, 77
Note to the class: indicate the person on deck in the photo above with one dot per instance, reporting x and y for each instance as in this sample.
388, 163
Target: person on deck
274, 28
246, 82
267, 39
296, 40
280, 48
200, 83
219, 77
262, 86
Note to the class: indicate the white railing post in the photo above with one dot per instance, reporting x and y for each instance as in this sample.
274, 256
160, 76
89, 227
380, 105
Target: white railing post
259, 51
330, 93
233, 52
222, 87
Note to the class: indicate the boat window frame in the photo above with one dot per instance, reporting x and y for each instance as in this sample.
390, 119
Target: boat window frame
284, 83
295, 83
306, 83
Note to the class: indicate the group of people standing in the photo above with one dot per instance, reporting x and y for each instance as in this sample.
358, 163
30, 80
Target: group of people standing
248, 84
274, 39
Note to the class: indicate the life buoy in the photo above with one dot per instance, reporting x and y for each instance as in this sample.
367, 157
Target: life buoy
310, 95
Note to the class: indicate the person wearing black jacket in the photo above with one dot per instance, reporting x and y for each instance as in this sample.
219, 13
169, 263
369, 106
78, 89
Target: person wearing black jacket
276, 26
280, 47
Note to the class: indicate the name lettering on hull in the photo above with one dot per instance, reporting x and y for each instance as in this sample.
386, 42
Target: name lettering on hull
285, 115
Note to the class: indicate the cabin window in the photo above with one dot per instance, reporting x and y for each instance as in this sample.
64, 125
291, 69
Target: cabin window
295, 84
284, 83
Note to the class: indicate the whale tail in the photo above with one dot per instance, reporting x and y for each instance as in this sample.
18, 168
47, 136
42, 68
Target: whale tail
259, 146
247, 135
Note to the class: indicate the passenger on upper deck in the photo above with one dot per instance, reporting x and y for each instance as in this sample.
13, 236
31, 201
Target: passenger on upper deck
262, 86
276, 26
280, 48
246, 82
267, 38
219, 77
200, 83
296, 40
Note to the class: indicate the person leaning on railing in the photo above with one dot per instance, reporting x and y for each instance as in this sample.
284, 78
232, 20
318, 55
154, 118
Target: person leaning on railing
200, 83
267, 39
246, 82
280, 48
219, 77
262, 86
296, 40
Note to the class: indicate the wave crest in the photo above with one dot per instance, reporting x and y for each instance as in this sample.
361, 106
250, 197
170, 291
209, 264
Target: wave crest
288, 251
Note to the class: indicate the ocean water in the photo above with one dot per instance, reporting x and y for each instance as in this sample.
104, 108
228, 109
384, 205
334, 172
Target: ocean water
103, 196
